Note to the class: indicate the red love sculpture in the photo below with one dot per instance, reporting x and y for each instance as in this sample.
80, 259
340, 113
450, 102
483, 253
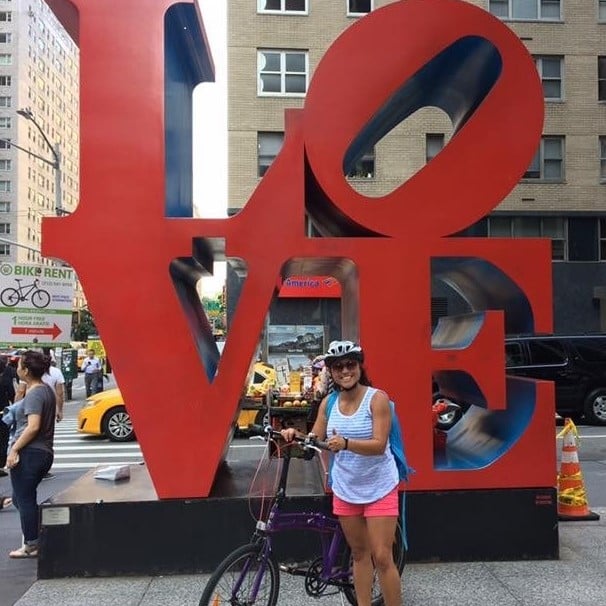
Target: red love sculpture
137, 262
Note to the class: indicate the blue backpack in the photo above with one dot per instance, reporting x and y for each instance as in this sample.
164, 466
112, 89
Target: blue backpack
396, 441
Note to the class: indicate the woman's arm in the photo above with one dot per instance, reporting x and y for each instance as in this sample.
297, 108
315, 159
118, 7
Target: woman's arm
29, 433
321, 422
319, 428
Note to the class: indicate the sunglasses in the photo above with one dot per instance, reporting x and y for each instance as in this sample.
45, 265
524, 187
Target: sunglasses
345, 365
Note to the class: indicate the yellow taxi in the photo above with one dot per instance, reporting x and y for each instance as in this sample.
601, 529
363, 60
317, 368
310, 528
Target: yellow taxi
262, 380
104, 414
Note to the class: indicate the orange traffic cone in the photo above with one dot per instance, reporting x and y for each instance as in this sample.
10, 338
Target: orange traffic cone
572, 498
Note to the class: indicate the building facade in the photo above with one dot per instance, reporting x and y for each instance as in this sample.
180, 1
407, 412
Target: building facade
274, 46
39, 77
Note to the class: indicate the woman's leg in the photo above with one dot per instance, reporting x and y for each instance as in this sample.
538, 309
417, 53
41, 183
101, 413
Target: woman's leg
381, 532
25, 477
356, 534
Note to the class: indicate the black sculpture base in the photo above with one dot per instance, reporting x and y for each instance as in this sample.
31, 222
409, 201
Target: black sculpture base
101, 528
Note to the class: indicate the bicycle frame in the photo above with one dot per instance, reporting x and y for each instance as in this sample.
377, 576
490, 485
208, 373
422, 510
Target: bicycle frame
328, 527
25, 291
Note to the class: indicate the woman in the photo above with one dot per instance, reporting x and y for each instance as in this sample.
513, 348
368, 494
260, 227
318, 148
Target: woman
31, 454
364, 473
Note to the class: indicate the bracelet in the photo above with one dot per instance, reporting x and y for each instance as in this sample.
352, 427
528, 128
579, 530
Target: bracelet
346, 443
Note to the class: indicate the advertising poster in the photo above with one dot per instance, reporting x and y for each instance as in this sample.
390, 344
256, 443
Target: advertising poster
36, 303
294, 346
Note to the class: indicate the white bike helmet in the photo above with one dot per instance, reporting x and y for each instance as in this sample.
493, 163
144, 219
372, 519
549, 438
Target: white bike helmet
343, 349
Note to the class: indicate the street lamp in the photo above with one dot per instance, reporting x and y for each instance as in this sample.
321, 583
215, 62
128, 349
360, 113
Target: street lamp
55, 163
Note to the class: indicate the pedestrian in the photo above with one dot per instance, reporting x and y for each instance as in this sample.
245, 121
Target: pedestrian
364, 473
7, 396
93, 372
55, 379
30, 455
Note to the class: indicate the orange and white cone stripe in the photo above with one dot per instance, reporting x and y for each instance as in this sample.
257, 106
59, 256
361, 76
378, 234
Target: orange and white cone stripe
572, 497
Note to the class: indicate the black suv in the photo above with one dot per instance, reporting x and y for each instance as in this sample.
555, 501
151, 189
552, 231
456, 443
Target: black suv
575, 363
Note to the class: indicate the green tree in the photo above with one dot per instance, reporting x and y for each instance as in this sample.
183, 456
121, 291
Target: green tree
83, 326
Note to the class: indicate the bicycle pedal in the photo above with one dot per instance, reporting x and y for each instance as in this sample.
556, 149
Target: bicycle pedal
295, 568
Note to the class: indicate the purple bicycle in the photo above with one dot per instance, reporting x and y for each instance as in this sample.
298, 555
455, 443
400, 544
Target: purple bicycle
250, 575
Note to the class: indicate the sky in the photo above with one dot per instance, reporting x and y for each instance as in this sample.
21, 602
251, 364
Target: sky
210, 132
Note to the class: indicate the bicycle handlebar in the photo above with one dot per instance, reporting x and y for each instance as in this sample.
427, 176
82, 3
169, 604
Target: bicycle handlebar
268, 433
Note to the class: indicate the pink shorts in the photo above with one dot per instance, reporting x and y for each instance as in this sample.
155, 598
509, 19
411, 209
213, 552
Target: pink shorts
386, 506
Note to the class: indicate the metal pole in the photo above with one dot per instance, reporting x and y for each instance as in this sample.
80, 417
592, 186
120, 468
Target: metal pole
28, 115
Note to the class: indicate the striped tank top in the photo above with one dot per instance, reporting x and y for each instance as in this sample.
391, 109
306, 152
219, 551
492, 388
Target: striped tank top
360, 478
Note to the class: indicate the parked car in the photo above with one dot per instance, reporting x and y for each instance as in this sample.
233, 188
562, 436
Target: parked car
104, 414
575, 363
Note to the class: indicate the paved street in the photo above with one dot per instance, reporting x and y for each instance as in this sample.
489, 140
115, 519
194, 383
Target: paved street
74, 450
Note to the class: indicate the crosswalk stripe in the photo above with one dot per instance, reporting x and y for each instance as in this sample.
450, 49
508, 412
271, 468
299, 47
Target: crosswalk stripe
75, 450
86, 465
109, 455
102, 446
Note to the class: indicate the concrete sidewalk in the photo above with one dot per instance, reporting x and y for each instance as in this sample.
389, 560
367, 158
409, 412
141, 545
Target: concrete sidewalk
576, 578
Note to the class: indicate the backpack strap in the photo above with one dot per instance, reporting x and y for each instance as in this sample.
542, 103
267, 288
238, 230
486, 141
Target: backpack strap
330, 402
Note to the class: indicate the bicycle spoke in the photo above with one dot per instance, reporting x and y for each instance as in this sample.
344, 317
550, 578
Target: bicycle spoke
243, 579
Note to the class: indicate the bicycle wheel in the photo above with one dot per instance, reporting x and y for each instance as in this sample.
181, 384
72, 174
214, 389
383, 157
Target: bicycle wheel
40, 298
399, 557
9, 297
233, 583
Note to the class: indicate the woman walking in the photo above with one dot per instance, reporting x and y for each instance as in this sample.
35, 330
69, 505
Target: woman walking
30, 455
364, 473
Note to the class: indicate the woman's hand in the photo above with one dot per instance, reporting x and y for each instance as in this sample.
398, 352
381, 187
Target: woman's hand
337, 442
289, 434
12, 459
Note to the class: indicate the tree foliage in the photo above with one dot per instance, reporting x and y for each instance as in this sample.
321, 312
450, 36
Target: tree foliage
84, 325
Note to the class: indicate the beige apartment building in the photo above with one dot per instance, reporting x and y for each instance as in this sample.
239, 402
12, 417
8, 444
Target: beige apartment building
39, 72
274, 46
39, 97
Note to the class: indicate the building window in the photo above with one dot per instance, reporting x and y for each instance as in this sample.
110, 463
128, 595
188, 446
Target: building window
6, 16
434, 144
364, 168
5, 228
268, 147
548, 162
5, 250
550, 71
602, 239
553, 228
5, 186
282, 72
5, 207
601, 10
5, 143
282, 6
603, 159
5, 80
526, 10
5, 164
601, 78
602, 224
359, 7
6, 59
6, 37
5, 101
5, 122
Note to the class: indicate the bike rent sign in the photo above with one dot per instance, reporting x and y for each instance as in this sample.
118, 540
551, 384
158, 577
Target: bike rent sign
36, 304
